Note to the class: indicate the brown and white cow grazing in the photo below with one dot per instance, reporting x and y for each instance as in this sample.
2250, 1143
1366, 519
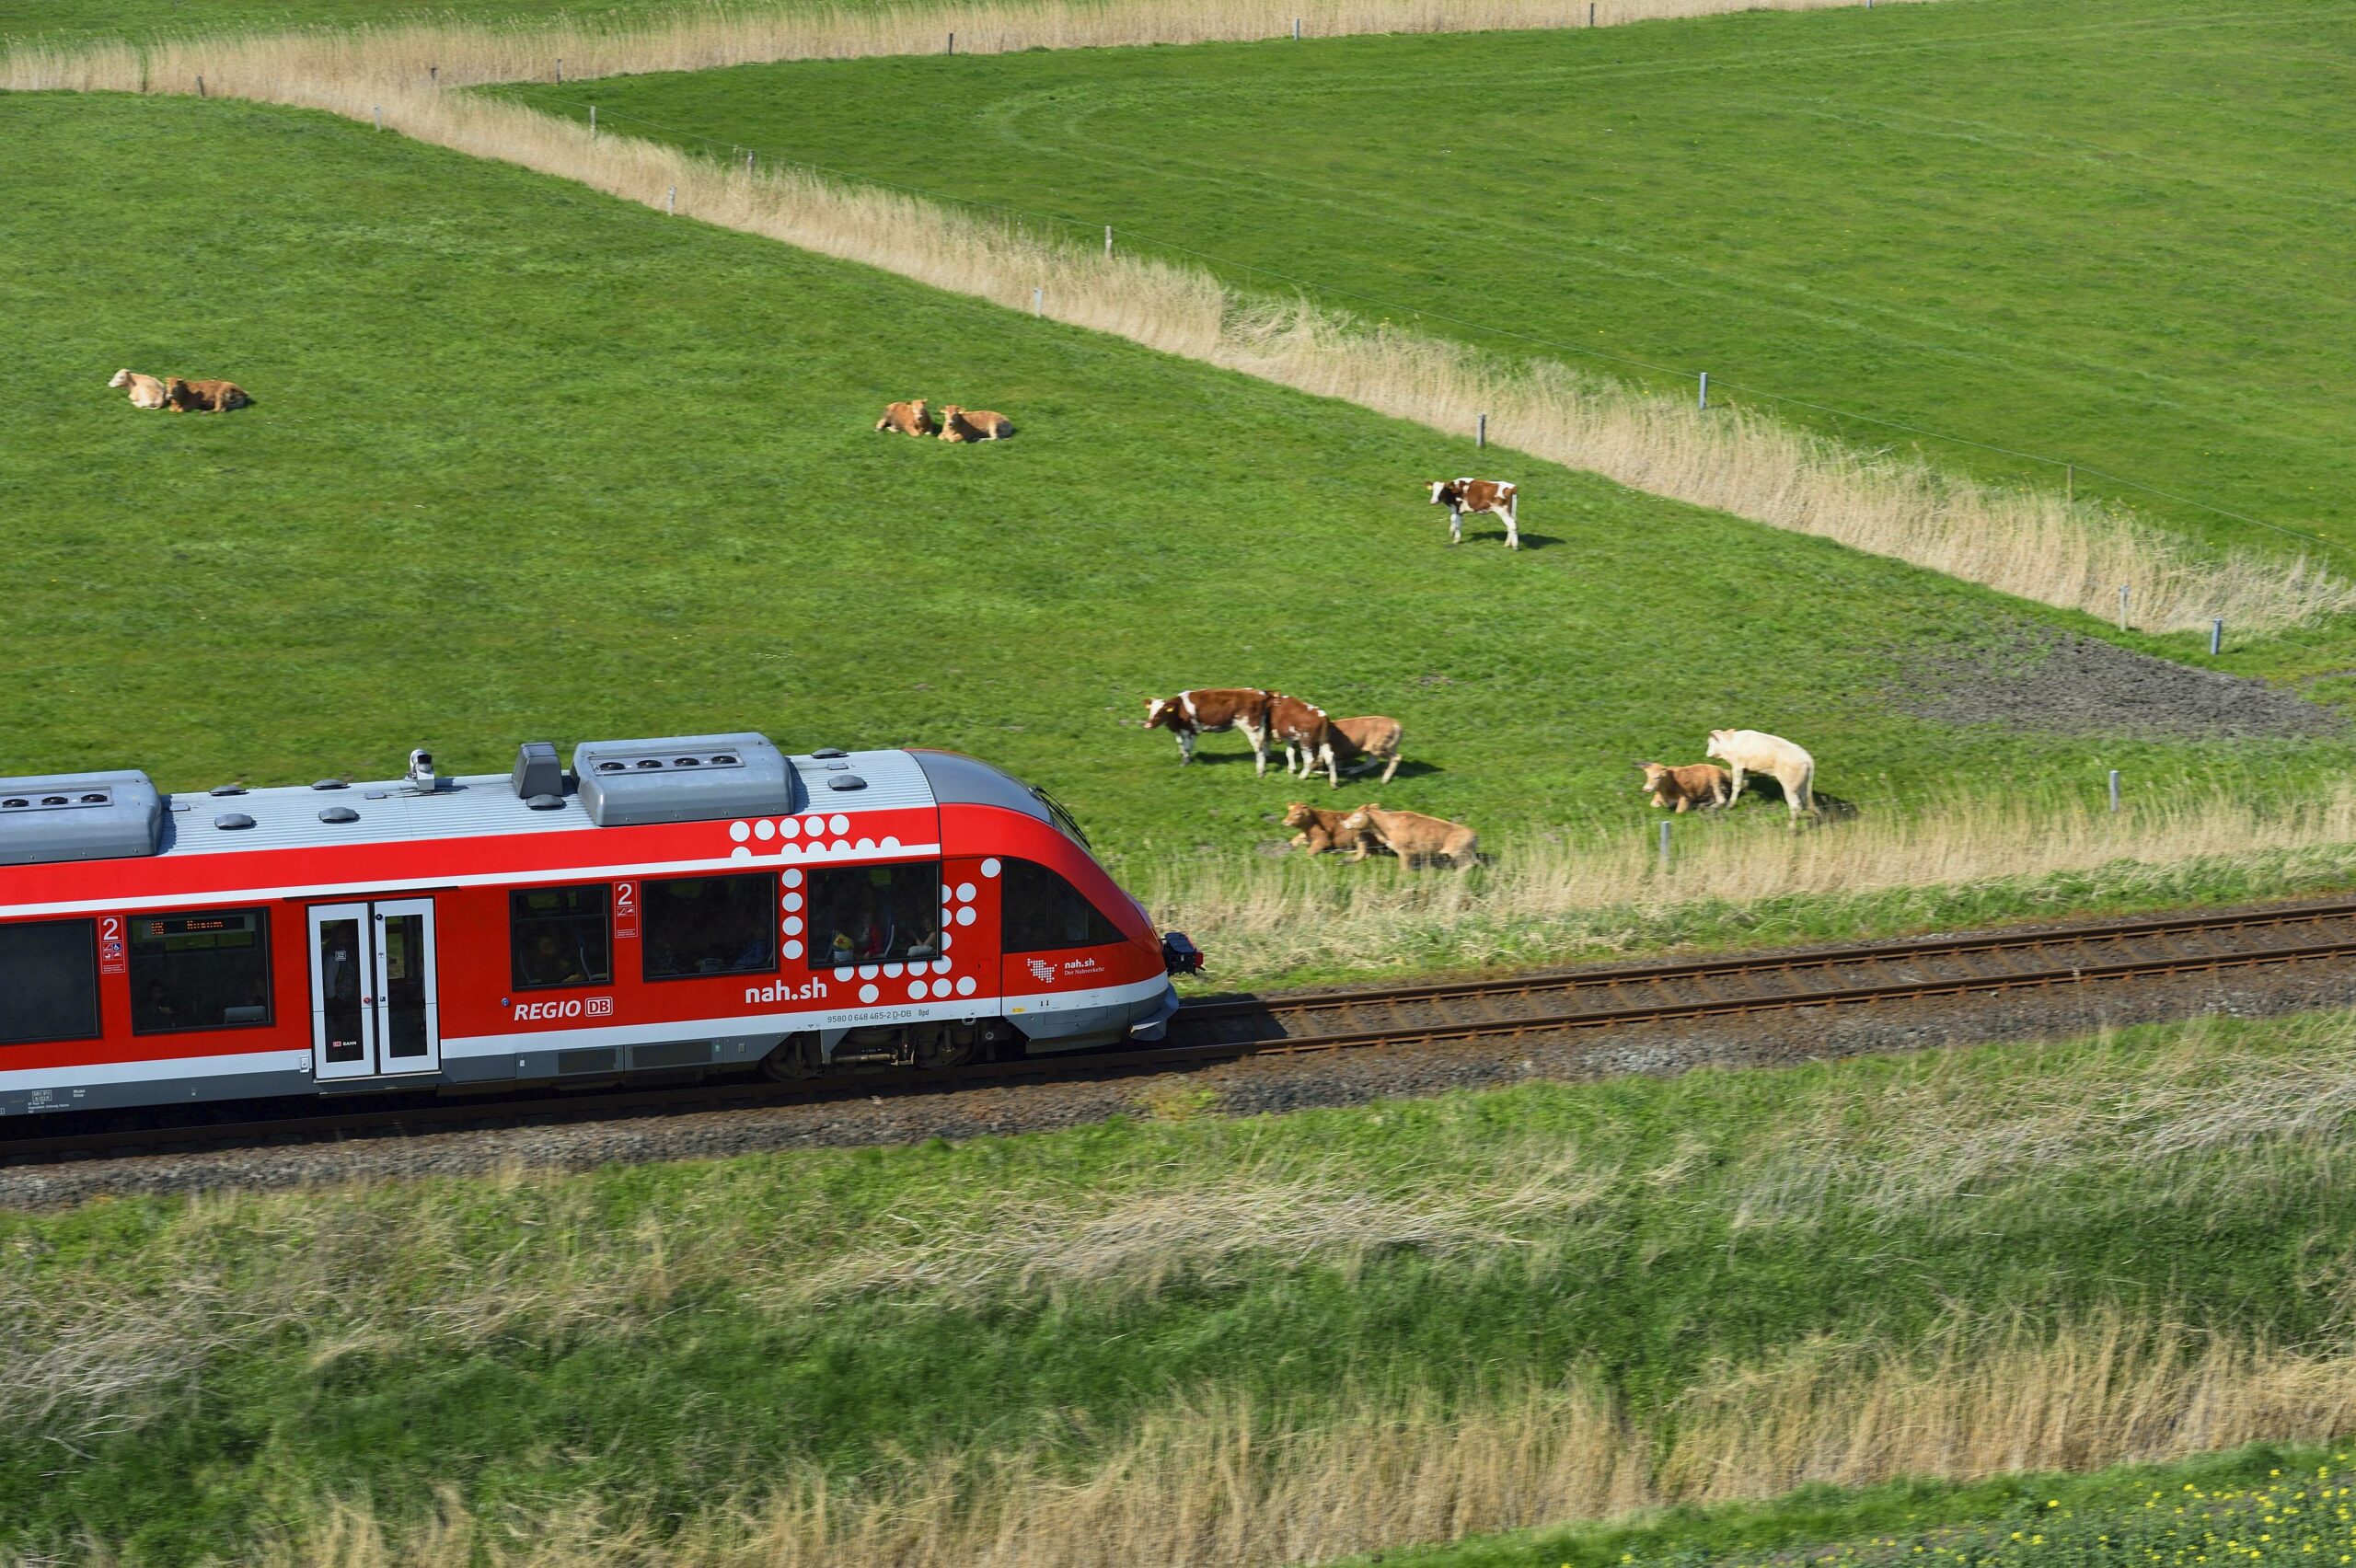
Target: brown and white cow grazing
972, 424
1319, 830
145, 391
908, 419
1413, 836
1304, 728
204, 397
1696, 782
1368, 741
1193, 713
1460, 496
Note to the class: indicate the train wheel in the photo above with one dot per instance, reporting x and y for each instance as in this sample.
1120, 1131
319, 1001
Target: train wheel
939, 1048
793, 1059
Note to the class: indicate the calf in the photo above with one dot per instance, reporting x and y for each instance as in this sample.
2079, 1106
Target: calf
1683, 786
1303, 728
1753, 751
145, 391
1319, 830
1369, 740
1460, 496
1414, 836
908, 419
204, 397
1193, 713
972, 424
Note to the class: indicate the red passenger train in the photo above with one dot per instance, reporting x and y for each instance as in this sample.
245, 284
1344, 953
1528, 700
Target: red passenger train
692, 903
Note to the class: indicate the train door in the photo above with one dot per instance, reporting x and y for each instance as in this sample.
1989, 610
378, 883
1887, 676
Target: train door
374, 1007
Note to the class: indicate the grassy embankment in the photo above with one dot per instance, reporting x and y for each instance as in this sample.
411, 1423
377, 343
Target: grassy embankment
1157, 1340
531, 461
2263, 1504
2029, 227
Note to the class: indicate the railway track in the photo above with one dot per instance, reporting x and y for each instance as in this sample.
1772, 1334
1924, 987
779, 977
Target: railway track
1226, 1029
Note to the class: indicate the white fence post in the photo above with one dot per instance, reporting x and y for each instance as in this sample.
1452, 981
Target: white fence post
671, 201
2216, 636
1296, 29
1108, 241
1705, 390
2114, 790
1664, 847
593, 121
1480, 434
1039, 302
381, 117
2122, 606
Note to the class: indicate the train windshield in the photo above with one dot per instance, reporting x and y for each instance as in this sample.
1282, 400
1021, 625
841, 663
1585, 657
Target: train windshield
1066, 822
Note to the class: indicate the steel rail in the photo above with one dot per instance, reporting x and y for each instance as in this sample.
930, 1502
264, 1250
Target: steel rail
1552, 1003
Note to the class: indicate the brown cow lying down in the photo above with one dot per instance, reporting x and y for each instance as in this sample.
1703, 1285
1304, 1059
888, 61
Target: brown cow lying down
1699, 783
1321, 830
1371, 740
908, 419
972, 424
146, 392
204, 397
1414, 836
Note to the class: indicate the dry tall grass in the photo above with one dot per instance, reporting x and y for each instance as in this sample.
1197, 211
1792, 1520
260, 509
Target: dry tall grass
434, 1270
1602, 887
1217, 1482
2032, 544
701, 38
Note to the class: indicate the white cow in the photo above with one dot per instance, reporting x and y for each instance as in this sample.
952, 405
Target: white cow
1754, 751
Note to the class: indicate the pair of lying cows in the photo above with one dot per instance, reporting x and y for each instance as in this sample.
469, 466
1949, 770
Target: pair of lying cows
956, 423
1312, 741
179, 393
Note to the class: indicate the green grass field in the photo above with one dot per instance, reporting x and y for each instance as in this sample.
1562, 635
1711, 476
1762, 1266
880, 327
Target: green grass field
2102, 232
1697, 1253
529, 462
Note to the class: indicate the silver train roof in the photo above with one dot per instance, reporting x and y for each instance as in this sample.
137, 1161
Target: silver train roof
120, 814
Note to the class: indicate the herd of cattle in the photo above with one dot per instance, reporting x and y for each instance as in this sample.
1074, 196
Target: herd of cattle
179, 393
1313, 742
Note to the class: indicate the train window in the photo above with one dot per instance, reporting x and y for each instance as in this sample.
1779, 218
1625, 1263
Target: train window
875, 913
1041, 911
48, 981
710, 926
557, 936
203, 971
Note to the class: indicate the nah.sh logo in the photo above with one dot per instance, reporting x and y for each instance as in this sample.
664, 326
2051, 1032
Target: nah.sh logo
1044, 970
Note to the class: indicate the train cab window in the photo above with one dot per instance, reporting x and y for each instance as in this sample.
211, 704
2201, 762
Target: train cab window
710, 926
875, 913
559, 936
1041, 911
203, 971
48, 981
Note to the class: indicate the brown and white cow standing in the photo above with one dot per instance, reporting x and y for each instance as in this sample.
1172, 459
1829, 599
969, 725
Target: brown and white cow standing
1460, 496
1193, 713
1304, 728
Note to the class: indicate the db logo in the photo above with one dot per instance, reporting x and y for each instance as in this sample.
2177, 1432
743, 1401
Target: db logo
600, 1007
